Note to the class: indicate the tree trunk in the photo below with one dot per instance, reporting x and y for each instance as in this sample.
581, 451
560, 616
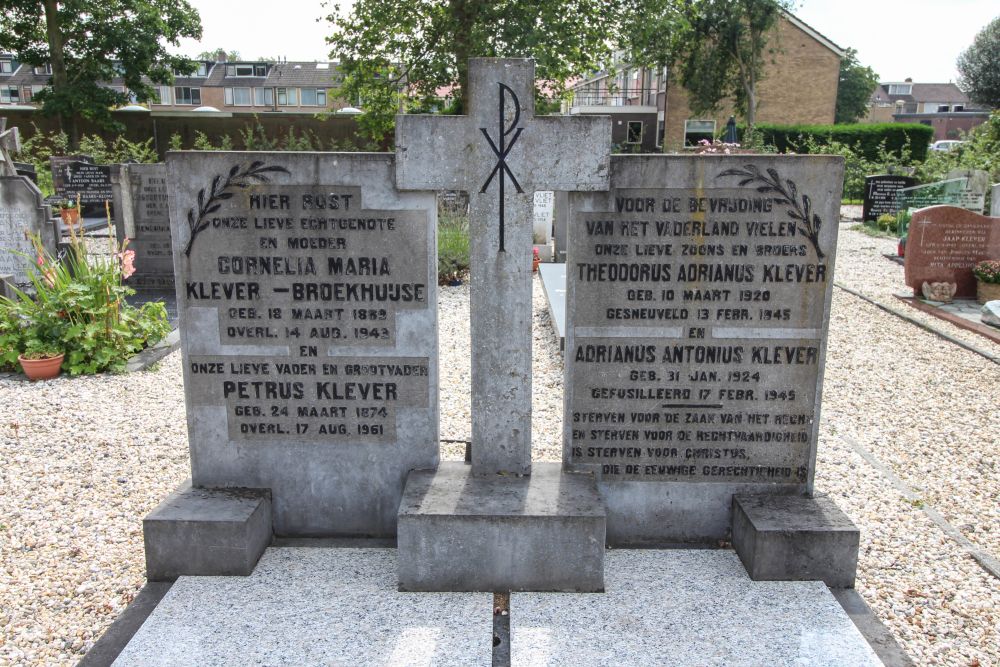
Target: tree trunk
60, 80
463, 16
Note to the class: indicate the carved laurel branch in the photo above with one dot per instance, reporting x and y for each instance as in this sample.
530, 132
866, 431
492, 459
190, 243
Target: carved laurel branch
807, 221
240, 177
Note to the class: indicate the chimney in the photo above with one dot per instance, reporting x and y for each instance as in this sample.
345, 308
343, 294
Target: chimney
221, 56
909, 79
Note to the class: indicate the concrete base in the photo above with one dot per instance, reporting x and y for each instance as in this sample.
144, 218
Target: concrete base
794, 538
459, 532
197, 531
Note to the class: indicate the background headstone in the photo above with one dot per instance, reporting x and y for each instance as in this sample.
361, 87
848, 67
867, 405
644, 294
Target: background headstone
880, 195
944, 243
542, 223
696, 335
58, 164
22, 212
307, 295
145, 221
973, 196
995, 201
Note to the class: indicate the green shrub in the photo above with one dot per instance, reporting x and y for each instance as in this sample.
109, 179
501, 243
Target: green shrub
887, 222
869, 140
78, 308
453, 247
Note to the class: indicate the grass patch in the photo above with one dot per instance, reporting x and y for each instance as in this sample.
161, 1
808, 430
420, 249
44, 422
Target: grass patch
453, 247
874, 232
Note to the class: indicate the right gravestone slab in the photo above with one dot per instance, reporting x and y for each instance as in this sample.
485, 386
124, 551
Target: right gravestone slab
698, 299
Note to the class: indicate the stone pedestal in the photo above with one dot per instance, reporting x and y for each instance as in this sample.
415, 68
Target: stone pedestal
209, 532
794, 538
460, 532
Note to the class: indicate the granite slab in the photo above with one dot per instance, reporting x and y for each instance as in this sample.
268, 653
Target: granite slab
312, 606
685, 607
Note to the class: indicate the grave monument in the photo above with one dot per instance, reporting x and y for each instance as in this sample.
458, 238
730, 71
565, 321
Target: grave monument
145, 221
880, 195
23, 212
944, 243
698, 296
499, 523
542, 224
307, 301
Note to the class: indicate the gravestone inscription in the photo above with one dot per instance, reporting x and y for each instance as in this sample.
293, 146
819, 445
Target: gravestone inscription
308, 314
23, 212
698, 294
542, 223
880, 195
944, 243
973, 196
145, 221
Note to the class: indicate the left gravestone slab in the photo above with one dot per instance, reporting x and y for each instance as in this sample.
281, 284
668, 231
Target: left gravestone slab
308, 315
308, 318
22, 213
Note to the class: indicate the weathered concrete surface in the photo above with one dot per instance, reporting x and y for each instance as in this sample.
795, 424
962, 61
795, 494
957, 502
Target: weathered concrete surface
698, 296
22, 212
327, 399
794, 538
211, 532
145, 221
501, 154
465, 532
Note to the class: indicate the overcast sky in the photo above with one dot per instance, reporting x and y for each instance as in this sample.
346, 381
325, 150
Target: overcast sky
897, 38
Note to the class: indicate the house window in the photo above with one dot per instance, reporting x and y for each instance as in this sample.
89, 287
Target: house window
943, 108
288, 97
246, 70
9, 95
312, 97
238, 97
6, 66
697, 130
162, 95
660, 129
30, 92
187, 96
43, 69
633, 132
900, 88
263, 97
959, 107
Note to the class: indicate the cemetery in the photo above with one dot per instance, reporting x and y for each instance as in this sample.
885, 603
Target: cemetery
500, 392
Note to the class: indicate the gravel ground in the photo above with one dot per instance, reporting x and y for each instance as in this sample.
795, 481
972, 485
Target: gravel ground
86, 459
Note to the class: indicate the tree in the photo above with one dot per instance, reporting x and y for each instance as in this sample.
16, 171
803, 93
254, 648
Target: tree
422, 47
979, 67
855, 88
88, 42
218, 54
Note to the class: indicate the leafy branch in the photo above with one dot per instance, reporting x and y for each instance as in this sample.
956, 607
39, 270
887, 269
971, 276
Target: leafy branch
239, 178
807, 222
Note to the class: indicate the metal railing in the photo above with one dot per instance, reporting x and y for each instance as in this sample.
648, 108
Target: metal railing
620, 98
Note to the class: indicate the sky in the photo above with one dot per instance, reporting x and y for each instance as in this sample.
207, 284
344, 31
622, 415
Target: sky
897, 38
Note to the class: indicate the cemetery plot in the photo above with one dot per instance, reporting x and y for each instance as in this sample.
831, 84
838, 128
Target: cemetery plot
944, 243
307, 302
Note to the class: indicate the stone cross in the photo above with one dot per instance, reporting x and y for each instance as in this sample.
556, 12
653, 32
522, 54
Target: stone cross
500, 154
10, 142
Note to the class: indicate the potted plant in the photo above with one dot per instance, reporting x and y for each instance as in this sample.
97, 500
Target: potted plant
987, 280
70, 213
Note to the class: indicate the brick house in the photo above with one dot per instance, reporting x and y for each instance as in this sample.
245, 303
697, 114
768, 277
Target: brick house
647, 106
255, 86
942, 106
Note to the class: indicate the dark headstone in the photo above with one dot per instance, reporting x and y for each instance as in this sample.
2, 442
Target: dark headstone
880, 195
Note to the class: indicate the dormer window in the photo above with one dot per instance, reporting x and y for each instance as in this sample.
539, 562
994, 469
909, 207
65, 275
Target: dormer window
246, 70
43, 69
900, 88
6, 66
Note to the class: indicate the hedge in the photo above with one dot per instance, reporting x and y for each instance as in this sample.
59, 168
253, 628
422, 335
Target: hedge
866, 137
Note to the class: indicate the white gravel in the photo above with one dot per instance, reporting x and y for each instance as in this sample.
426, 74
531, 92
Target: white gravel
85, 459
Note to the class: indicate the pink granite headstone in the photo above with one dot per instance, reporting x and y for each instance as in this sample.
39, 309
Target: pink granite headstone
943, 245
